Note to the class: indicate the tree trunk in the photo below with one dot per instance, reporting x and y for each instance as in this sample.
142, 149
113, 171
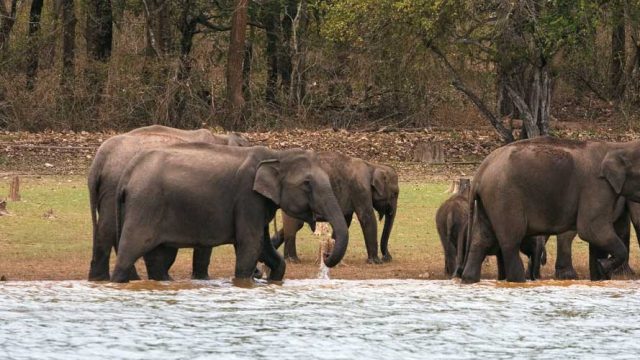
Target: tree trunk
14, 189
271, 20
33, 44
99, 35
618, 55
7, 19
536, 110
68, 45
246, 68
188, 26
285, 62
158, 29
298, 58
234, 63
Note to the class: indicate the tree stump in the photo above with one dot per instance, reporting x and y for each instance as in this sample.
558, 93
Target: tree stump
431, 153
3, 208
14, 189
459, 186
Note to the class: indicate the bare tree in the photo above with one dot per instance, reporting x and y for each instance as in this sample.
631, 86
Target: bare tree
68, 45
99, 35
618, 47
7, 19
34, 28
234, 63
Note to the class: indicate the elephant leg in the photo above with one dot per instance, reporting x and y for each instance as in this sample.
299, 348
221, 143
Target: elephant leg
500, 264
595, 271
604, 240
133, 245
159, 261
369, 226
272, 259
201, 261
564, 263
248, 248
482, 241
99, 268
103, 241
450, 250
278, 239
623, 230
290, 228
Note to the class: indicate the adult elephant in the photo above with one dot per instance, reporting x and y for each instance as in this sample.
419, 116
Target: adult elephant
108, 165
452, 220
201, 195
564, 263
362, 188
549, 186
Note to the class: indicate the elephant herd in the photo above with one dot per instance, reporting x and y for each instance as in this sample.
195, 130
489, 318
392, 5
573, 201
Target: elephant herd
157, 189
530, 189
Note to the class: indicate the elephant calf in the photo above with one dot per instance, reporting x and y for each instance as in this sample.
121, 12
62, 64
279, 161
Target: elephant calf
361, 188
202, 195
452, 220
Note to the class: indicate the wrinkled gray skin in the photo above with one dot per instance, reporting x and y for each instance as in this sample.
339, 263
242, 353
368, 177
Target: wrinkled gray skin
108, 165
549, 186
361, 188
564, 263
452, 219
201, 195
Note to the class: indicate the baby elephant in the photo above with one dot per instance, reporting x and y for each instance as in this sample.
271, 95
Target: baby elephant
452, 219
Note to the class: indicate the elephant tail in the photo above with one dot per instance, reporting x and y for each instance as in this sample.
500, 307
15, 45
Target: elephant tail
543, 256
120, 204
94, 189
463, 252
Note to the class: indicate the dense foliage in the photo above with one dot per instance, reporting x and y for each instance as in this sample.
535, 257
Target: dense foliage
256, 64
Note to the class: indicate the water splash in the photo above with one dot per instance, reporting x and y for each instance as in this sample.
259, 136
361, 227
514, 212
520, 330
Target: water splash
325, 248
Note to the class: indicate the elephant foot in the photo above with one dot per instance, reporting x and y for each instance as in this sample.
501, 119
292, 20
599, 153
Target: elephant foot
277, 273
387, 257
568, 273
293, 259
199, 276
374, 260
120, 276
604, 270
99, 277
624, 271
133, 274
257, 273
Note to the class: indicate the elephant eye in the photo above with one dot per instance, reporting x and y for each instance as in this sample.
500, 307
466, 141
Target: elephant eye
306, 185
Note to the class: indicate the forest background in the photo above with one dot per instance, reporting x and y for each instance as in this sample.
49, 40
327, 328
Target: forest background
347, 64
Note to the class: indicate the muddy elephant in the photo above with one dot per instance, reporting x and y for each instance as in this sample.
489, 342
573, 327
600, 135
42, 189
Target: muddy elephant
362, 188
564, 263
202, 195
547, 186
452, 219
108, 164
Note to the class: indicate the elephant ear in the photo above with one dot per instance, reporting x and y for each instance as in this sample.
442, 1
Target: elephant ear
614, 169
378, 182
266, 182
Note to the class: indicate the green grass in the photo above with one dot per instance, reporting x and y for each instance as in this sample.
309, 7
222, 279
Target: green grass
28, 236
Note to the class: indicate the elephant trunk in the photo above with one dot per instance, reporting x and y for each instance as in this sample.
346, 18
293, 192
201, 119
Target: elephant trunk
389, 219
333, 214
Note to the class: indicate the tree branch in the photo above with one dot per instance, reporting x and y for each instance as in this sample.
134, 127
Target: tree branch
505, 133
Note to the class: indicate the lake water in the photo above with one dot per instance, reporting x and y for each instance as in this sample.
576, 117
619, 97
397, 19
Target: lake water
319, 319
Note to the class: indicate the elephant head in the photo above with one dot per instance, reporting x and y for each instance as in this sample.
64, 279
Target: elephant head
621, 169
296, 183
385, 190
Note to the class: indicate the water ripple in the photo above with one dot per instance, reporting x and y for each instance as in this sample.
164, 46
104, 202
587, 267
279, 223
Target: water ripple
319, 319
